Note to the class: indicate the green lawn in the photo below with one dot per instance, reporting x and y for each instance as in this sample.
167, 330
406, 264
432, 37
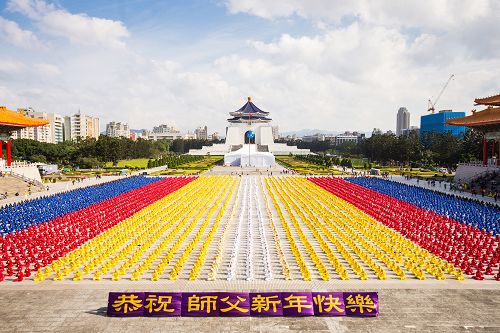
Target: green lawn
193, 167
136, 163
304, 167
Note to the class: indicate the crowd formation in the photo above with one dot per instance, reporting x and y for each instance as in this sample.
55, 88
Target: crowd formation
473, 250
361, 247
19, 216
39, 245
481, 216
164, 228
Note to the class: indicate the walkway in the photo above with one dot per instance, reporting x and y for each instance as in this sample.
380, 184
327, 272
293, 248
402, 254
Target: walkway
440, 187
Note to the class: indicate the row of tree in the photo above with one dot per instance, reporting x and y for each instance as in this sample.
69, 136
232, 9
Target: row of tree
324, 160
442, 149
173, 161
90, 152
106, 149
431, 149
434, 148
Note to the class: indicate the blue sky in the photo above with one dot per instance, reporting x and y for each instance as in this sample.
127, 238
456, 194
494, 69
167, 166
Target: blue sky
329, 64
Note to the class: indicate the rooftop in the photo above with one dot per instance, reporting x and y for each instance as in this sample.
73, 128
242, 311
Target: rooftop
478, 118
12, 120
249, 113
491, 100
248, 109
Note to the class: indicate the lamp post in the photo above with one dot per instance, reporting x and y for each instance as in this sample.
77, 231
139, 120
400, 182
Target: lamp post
250, 136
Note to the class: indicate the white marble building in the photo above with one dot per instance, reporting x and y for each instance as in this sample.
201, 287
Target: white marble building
262, 147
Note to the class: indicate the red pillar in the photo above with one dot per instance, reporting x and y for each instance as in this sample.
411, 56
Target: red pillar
498, 159
1, 149
9, 156
485, 152
492, 148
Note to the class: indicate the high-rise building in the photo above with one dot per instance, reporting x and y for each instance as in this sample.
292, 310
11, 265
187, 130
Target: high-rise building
201, 133
117, 129
50, 133
81, 126
57, 124
276, 132
403, 121
436, 122
215, 136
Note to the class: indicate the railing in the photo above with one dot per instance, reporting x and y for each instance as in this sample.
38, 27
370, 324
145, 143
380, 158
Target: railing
263, 148
491, 163
16, 164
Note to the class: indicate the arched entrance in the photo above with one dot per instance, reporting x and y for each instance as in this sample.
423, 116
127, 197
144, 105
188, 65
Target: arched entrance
249, 137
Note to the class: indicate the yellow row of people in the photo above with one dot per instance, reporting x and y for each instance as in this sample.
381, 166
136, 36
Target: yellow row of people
212, 272
363, 235
287, 273
220, 208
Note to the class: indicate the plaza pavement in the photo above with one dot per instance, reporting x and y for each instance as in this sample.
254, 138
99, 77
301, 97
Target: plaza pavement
405, 306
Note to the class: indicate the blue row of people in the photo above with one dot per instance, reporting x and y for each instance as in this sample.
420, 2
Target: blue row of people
481, 215
21, 215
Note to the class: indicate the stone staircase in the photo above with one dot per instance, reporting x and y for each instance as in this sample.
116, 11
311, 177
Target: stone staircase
12, 185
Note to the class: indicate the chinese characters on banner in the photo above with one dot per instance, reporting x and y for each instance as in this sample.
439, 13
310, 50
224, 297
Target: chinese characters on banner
241, 304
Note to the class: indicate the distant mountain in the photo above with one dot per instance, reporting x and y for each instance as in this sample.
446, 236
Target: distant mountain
303, 132
137, 130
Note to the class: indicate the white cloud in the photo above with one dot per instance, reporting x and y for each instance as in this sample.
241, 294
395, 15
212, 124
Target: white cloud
437, 14
13, 34
11, 66
78, 28
352, 75
47, 70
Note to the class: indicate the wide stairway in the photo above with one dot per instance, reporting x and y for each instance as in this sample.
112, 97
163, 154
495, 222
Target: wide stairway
13, 185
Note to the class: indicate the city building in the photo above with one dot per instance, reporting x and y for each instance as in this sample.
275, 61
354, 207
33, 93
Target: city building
214, 136
189, 136
313, 137
117, 130
201, 133
436, 122
57, 127
50, 133
81, 126
377, 131
402, 121
163, 132
276, 132
412, 129
164, 129
137, 134
348, 137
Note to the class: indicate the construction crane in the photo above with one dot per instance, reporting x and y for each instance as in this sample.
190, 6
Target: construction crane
431, 104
